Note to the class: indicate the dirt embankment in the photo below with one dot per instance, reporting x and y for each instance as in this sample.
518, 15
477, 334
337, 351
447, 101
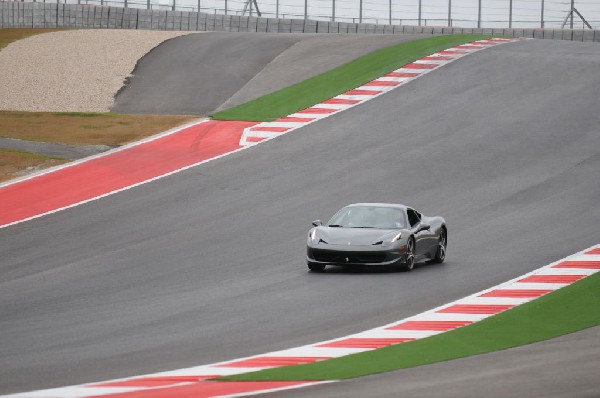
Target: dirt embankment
72, 71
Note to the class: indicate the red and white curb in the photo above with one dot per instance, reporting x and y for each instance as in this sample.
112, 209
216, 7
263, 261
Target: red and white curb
269, 130
193, 381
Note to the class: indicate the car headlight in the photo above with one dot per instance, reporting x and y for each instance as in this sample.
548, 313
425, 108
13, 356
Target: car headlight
386, 242
314, 237
389, 239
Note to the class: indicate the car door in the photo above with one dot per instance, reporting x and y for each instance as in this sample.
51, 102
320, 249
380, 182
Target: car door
428, 237
421, 237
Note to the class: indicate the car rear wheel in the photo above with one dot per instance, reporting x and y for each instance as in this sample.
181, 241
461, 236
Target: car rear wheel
315, 267
440, 254
409, 262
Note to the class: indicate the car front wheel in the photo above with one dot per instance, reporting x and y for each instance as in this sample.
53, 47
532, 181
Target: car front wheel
409, 262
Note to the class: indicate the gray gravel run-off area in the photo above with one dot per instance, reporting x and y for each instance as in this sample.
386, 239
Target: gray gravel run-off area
72, 71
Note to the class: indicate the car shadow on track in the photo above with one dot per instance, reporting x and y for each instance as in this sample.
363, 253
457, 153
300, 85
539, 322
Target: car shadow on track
374, 269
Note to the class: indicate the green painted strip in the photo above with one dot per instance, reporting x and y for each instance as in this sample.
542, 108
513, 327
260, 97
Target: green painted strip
341, 79
564, 311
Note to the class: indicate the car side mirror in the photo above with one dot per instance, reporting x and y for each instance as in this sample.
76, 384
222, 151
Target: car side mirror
424, 227
317, 223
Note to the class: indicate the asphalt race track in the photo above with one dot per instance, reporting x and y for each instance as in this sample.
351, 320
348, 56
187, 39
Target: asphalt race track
208, 265
201, 73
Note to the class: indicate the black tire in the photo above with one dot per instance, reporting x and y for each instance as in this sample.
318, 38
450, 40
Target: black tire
440, 253
316, 267
409, 264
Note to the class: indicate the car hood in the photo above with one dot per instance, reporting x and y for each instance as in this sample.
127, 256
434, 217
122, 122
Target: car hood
355, 236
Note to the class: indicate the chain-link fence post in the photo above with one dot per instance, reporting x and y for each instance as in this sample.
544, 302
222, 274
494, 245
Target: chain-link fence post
333, 10
572, 9
542, 16
360, 6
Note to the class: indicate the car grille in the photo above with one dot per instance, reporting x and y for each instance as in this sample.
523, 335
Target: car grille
353, 257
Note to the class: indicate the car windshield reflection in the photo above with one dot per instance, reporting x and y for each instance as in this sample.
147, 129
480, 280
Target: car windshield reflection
368, 217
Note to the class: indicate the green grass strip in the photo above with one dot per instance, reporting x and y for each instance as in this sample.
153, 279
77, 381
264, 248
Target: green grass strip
341, 79
566, 310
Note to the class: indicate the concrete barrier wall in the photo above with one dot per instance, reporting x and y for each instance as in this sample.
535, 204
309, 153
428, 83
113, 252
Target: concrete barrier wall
43, 15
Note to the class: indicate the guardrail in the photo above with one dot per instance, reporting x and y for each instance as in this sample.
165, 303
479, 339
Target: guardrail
46, 15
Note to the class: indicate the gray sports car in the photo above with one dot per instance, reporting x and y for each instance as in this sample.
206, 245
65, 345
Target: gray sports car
364, 234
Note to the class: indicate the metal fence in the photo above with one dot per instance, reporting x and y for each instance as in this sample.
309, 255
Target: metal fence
573, 14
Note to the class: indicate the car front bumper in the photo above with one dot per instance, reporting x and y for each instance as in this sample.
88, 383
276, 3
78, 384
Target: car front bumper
351, 256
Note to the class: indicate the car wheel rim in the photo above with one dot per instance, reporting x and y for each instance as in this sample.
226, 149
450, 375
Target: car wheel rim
442, 246
410, 256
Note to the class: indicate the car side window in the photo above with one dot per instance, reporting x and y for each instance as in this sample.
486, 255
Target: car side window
413, 217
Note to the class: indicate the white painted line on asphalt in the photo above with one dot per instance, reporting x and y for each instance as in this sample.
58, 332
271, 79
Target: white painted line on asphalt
386, 333
311, 351
261, 392
569, 271
535, 286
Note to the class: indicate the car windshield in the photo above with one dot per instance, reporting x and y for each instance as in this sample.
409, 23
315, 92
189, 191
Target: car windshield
368, 217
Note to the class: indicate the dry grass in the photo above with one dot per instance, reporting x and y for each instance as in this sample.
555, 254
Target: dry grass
16, 164
85, 128
9, 35
73, 129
